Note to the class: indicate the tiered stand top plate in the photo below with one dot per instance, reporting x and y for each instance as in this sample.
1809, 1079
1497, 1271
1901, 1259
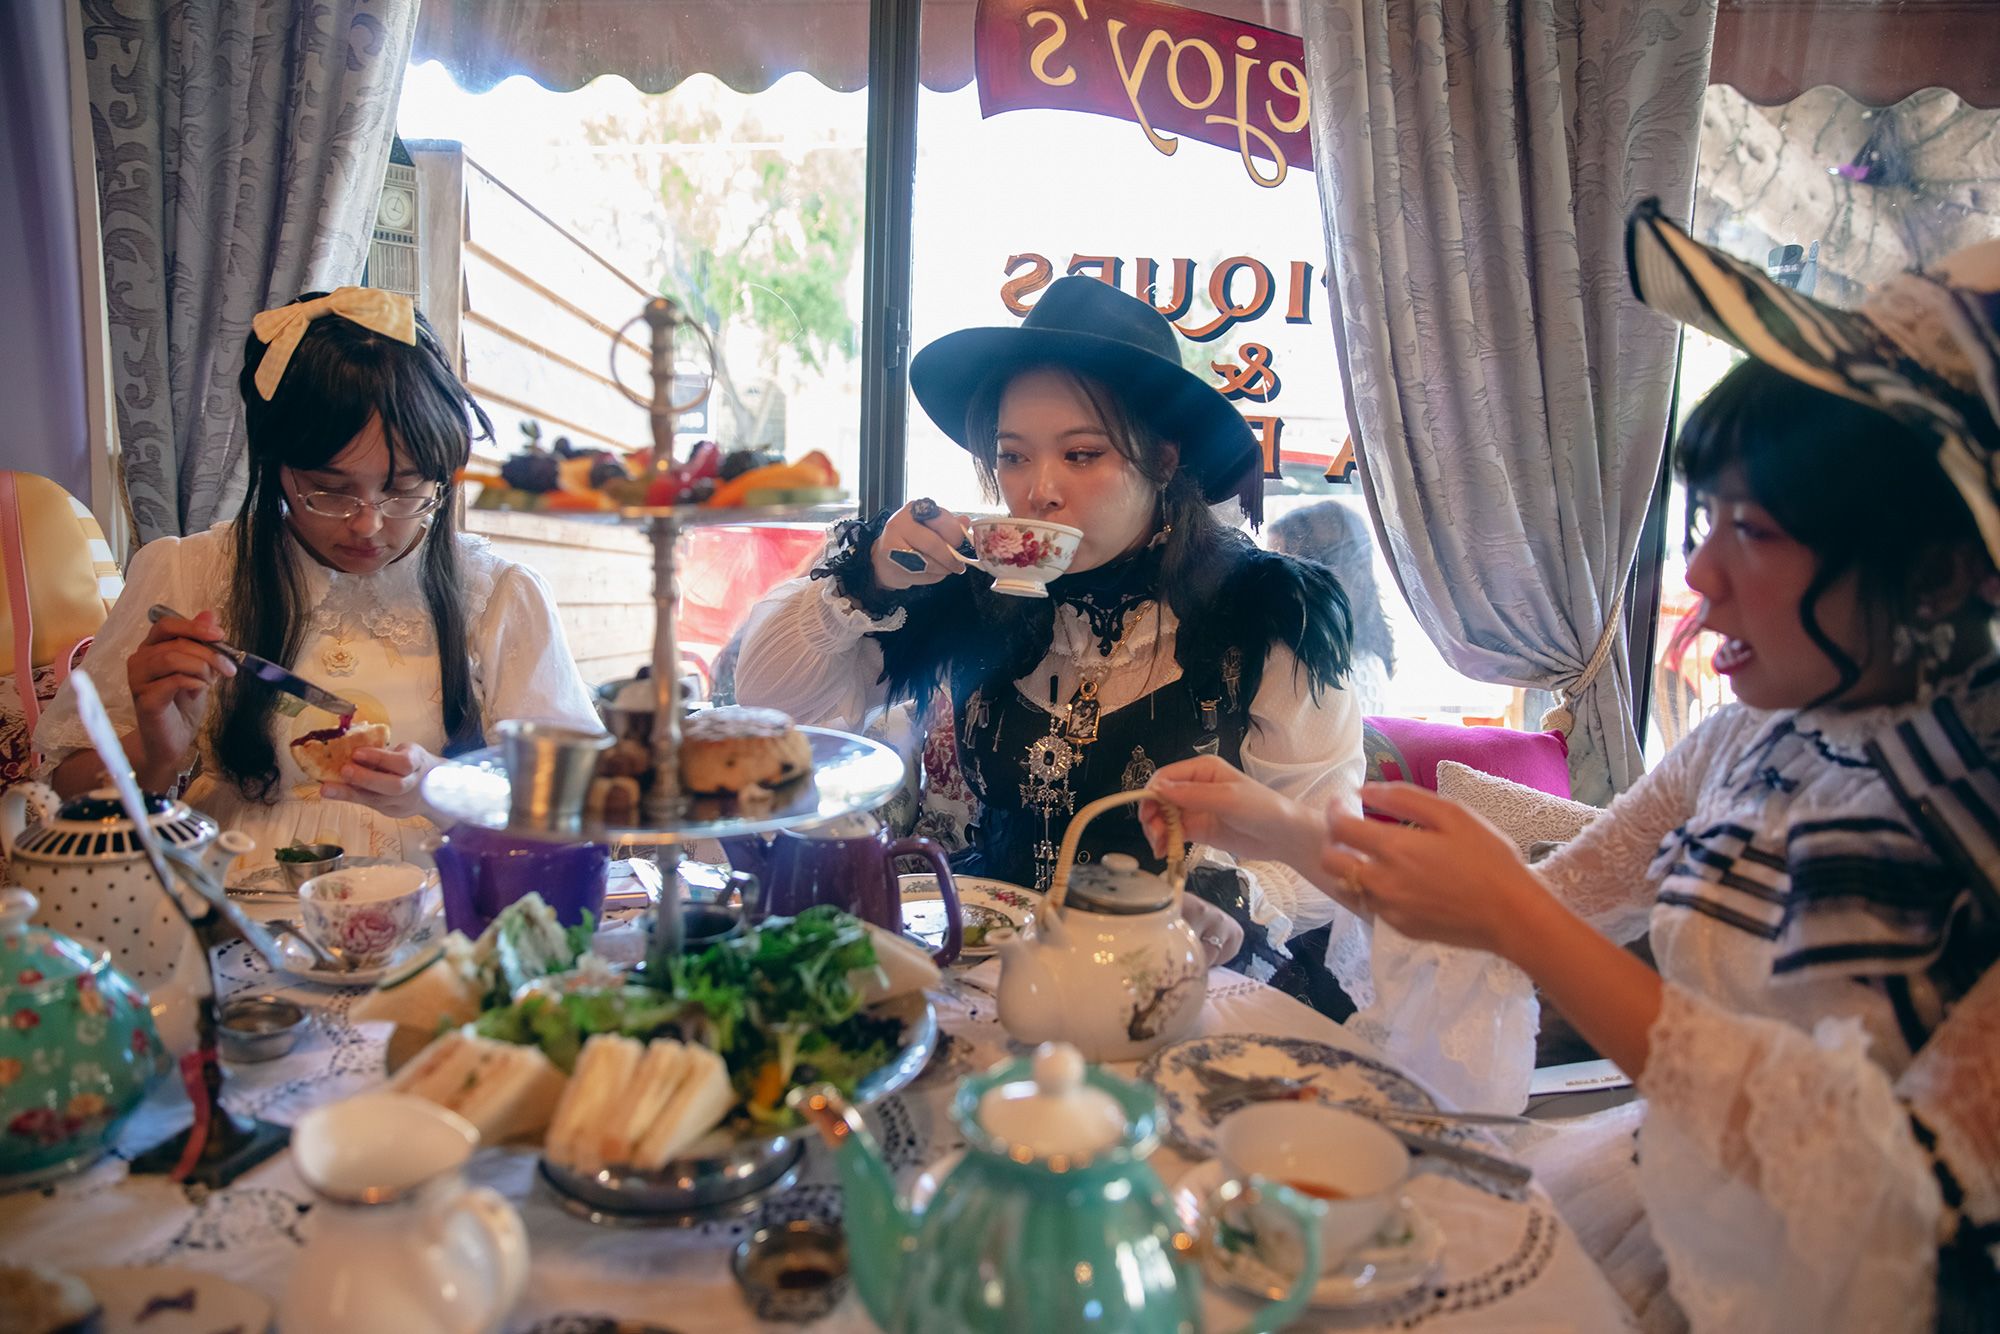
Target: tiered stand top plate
850, 773
697, 516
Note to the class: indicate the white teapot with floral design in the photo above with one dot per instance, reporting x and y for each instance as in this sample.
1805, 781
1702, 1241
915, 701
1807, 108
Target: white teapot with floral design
1111, 967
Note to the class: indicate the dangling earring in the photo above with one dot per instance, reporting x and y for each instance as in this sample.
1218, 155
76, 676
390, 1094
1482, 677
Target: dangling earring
1928, 644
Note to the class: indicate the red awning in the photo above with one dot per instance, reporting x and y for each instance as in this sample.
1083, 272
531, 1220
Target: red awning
1879, 51
1876, 51
748, 44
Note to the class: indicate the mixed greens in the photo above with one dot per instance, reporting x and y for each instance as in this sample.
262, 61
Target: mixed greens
784, 1010
778, 1003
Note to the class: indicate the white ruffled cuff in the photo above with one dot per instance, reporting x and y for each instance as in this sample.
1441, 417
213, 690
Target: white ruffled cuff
844, 620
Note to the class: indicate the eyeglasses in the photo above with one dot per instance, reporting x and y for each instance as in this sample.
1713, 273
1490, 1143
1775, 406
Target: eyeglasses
333, 505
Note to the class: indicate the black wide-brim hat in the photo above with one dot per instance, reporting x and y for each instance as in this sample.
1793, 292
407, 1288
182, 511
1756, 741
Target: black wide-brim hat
1922, 348
1092, 328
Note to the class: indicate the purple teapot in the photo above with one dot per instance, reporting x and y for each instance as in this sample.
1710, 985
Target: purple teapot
849, 862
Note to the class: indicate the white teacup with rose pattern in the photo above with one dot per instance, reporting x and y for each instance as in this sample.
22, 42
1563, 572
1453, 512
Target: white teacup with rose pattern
1022, 555
365, 912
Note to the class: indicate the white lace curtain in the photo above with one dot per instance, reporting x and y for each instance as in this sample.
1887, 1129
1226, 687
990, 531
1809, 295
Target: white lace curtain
1478, 158
240, 151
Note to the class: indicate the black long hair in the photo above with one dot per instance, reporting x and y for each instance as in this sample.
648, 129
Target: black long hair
1862, 491
1339, 539
340, 378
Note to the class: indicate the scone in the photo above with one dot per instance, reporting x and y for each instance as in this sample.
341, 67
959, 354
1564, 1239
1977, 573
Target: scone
731, 749
38, 1300
322, 754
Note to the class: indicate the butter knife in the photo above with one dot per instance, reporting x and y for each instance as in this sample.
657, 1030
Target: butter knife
270, 673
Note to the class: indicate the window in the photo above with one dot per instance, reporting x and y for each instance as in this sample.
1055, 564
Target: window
745, 207
1008, 200
1834, 196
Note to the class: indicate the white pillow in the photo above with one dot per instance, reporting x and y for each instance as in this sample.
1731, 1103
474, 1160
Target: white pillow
1525, 815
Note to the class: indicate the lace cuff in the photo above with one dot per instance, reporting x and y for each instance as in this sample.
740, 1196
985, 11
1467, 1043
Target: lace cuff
1781, 1176
849, 566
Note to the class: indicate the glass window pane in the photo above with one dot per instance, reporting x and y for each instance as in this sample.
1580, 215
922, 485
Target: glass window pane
745, 207
1006, 202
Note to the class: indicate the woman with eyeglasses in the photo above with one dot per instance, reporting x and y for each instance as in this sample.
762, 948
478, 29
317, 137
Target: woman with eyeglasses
346, 565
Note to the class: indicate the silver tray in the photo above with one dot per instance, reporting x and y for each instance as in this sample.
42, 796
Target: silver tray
725, 1180
850, 773
696, 516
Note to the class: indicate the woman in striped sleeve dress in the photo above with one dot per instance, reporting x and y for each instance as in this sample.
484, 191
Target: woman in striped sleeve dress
1818, 864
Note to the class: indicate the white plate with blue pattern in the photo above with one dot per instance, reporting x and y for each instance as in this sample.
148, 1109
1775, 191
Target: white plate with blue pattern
1345, 1076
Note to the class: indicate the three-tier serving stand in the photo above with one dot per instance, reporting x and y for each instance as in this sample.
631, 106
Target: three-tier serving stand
850, 773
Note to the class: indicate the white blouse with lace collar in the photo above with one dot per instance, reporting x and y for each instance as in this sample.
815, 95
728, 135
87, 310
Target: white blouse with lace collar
370, 640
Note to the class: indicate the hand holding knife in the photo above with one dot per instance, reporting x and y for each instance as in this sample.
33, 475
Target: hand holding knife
270, 673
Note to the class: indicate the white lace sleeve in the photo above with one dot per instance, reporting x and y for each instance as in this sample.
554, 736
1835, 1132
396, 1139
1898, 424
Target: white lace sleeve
522, 658
167, 569
1601, 874
1953, 1089
1309, 750
1781, 1174
805, 651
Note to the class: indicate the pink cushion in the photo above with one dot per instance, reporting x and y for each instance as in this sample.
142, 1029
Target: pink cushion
1533, 759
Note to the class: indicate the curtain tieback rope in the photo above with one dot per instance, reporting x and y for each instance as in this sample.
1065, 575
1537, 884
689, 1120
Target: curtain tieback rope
1560, 718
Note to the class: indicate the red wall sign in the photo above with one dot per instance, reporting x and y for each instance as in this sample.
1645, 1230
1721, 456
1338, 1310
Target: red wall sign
1174, 72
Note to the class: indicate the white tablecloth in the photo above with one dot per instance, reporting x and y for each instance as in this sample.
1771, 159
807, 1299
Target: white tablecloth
1510, 1264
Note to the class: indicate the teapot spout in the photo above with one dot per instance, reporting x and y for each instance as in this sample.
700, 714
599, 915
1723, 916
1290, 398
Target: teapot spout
882, 1230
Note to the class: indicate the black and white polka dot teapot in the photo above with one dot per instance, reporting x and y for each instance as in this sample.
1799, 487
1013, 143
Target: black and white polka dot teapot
84, 863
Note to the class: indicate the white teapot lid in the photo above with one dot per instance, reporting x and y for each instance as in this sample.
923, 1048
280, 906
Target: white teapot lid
1055, 1114
1117, 885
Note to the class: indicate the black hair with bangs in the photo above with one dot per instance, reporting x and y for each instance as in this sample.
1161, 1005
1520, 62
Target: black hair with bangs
340, 377
1862, 491
1194, 534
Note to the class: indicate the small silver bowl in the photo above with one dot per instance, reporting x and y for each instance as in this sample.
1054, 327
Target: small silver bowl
259, 1028
793, 1271
326, 857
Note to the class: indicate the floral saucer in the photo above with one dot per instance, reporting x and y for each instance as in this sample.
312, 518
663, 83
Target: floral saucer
1176, 1072
988, 904
1403, 1256
409, 956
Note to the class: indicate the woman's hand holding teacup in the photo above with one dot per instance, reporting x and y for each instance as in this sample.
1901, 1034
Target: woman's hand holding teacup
171, 674
389, 779
932, 532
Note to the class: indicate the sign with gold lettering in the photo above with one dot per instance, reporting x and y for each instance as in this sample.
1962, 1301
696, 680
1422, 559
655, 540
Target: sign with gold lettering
1239, 289
1176, 73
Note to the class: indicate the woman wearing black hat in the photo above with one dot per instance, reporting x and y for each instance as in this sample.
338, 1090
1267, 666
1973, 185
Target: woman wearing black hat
1169, 636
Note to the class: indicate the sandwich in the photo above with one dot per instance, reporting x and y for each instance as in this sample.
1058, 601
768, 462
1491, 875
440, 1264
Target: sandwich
322, 754
638, 1106
507, 1092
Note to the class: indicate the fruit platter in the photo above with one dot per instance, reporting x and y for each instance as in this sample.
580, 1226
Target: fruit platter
564, 479
657, 1100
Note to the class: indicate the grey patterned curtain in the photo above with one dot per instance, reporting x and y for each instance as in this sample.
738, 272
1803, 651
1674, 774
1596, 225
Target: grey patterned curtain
1476, 162
240, 150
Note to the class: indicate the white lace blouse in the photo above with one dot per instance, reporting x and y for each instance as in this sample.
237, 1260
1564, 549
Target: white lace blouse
370, 640
1815, 1092
805, 650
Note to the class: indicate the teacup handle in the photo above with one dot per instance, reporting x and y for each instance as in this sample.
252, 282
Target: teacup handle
1304, 1211
954, 916
496, 1230
1176, 845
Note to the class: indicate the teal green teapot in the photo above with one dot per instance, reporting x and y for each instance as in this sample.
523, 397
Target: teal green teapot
1051, 1221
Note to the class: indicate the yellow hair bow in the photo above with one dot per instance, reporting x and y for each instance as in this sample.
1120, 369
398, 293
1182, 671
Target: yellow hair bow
390, 314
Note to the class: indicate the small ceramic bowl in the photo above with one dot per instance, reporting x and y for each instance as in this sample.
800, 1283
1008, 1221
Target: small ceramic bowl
793, 1271
1023, 555
365, 912
259, 1028
326, 857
